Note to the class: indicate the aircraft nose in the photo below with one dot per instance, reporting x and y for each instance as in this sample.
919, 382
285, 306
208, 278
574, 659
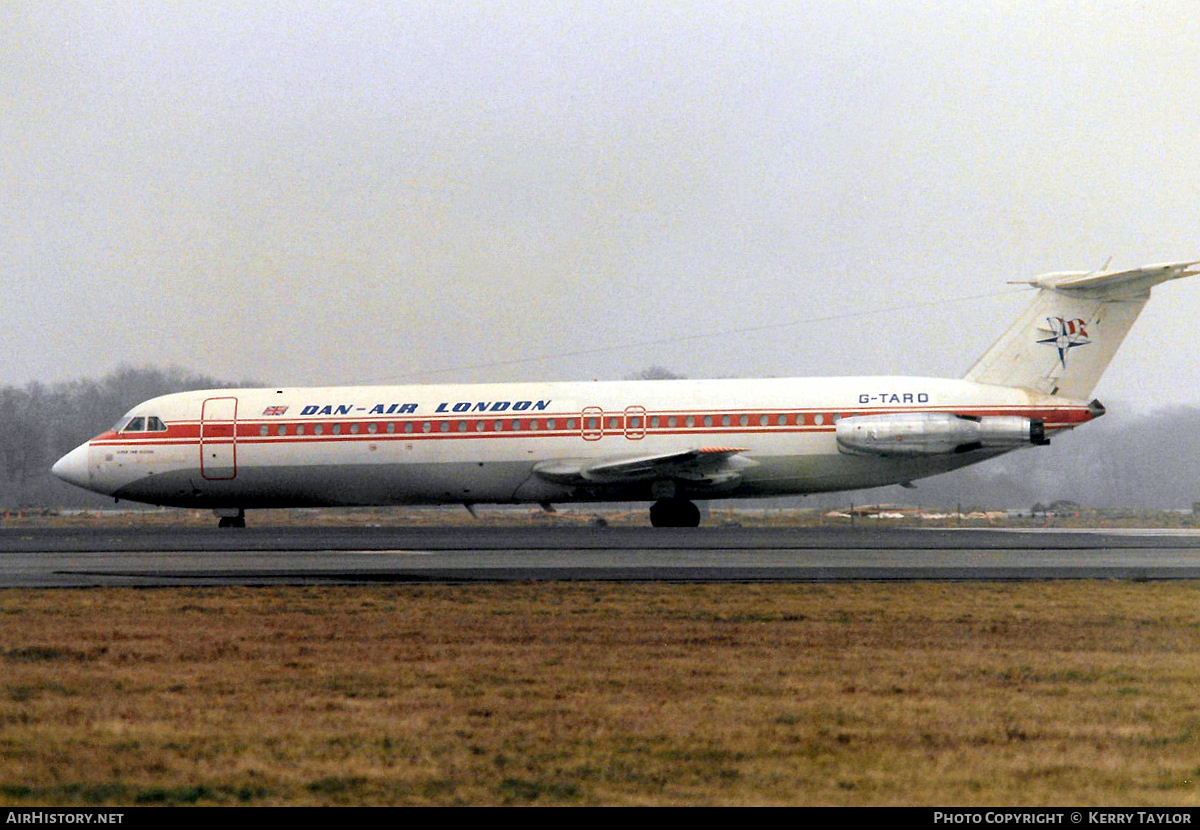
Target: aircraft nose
73, 467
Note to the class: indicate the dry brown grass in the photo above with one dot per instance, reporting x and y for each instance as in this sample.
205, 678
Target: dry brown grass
927, 694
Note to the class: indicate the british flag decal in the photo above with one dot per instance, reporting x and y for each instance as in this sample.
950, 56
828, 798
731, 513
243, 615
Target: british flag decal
275, 410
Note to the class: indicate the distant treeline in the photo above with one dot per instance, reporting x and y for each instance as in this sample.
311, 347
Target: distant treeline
1146, 460
39, 423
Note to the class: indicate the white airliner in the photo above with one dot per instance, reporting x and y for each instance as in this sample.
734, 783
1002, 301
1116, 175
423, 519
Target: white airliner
667, 441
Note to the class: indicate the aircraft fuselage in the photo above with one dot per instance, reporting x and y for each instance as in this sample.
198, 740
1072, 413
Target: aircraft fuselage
531, 442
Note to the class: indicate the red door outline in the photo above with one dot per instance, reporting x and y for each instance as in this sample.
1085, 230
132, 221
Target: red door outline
591, 423
218, 438
635, 422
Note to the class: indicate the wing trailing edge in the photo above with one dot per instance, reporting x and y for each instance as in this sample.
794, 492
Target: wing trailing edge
701, 466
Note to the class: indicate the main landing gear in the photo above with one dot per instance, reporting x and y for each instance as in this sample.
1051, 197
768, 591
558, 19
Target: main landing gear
674, 512
230, 517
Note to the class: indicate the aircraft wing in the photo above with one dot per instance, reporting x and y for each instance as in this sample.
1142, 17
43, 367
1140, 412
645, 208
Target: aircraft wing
704, 466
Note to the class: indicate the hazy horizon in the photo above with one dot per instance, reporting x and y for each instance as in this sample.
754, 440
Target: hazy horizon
321, 193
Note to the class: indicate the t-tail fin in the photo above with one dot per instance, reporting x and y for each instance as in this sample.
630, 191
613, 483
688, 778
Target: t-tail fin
1063, 343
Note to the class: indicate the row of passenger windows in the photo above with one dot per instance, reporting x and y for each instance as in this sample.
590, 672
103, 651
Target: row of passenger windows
611, 423
782, 419
408, 427
152, 423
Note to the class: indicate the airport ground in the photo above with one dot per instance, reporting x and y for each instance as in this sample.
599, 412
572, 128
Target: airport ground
579, 692
716, 514
1039, 693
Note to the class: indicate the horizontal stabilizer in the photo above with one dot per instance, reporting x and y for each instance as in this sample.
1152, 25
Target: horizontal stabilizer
1114, 284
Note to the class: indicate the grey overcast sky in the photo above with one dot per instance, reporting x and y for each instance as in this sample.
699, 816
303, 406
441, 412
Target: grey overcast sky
311, 193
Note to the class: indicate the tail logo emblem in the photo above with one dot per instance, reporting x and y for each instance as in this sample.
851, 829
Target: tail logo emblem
1066, 335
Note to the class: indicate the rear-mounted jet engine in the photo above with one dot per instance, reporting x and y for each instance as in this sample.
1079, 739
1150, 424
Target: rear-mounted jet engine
935, 433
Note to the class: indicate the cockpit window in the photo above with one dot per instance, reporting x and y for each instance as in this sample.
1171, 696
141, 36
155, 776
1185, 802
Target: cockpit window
140, 423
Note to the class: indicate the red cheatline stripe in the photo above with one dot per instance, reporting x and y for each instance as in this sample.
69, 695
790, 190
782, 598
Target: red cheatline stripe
251, 430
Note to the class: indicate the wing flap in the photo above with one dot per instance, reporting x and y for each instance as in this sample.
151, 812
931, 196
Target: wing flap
701, 465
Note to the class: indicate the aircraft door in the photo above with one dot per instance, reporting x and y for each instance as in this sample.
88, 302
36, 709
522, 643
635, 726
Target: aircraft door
635, 422
218, 439
591, 423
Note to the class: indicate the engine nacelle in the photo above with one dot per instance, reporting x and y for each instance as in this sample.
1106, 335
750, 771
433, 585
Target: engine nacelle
935, 433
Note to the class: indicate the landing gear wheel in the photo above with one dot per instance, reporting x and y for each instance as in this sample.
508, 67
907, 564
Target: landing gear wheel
674, 513
232, 521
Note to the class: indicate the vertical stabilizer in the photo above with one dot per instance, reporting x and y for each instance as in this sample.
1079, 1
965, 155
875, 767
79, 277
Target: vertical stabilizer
1063, 343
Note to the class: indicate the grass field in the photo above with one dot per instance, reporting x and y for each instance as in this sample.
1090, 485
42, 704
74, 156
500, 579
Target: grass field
1077, 693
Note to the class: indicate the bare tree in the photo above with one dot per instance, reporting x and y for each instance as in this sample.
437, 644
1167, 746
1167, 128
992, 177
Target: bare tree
655, 372
38, 424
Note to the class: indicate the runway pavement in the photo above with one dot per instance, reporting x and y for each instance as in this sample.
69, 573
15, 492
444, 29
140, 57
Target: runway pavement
45, 558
